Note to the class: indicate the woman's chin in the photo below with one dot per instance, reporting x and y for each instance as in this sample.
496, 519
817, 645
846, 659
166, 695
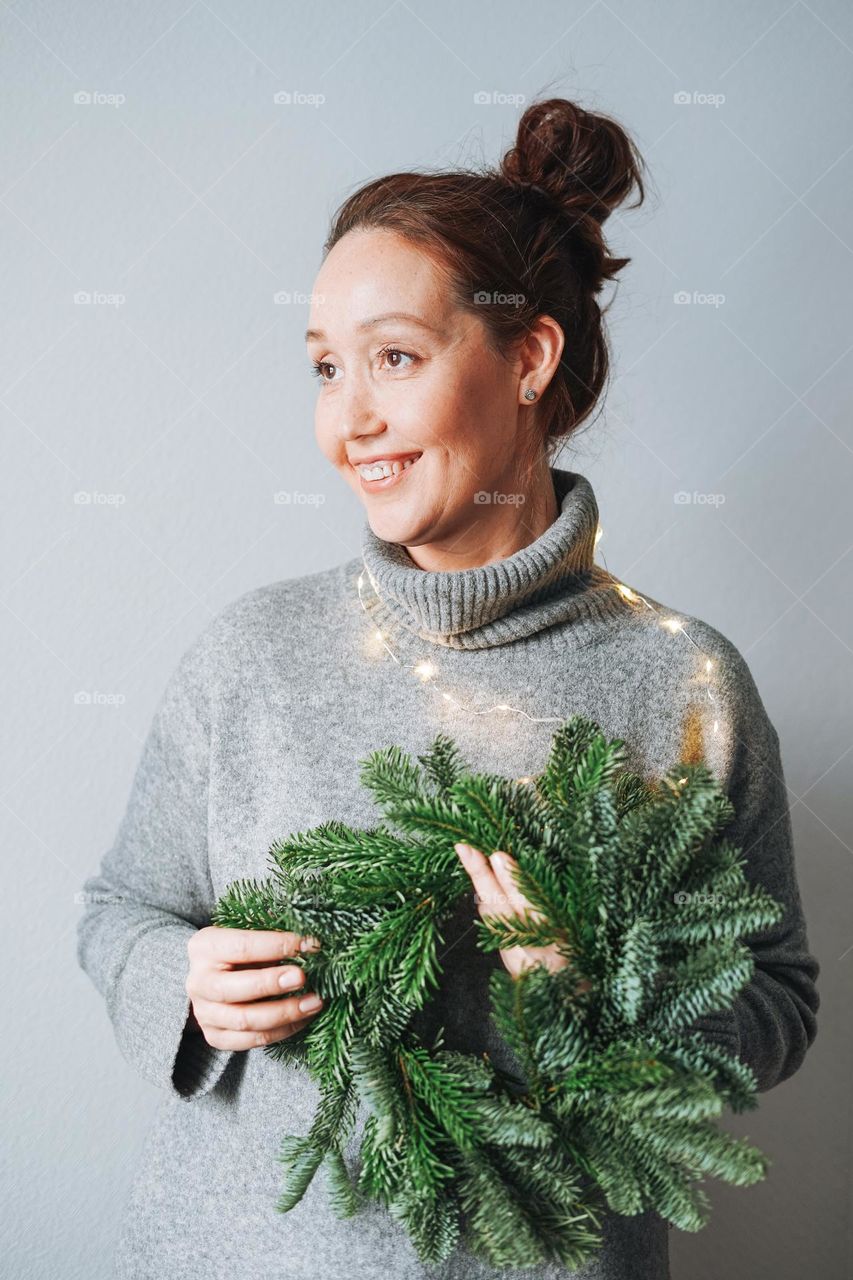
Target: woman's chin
395, 526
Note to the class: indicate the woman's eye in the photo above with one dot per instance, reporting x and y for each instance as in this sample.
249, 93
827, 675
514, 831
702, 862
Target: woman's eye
319, 367
395, 351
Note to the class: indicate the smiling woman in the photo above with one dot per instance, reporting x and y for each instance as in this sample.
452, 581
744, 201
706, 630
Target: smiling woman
443, 304
420, 386
458, 343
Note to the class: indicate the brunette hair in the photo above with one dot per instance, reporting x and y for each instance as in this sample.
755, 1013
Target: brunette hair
526, 239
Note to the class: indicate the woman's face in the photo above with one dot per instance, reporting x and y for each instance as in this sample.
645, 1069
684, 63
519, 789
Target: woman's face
426, 386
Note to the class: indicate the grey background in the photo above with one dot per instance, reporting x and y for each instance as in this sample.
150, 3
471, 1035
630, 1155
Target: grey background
198, 198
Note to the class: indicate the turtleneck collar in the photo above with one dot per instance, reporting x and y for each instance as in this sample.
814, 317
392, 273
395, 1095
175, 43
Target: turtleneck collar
553, 580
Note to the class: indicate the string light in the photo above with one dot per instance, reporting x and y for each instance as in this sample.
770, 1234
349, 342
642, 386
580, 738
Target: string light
427, 672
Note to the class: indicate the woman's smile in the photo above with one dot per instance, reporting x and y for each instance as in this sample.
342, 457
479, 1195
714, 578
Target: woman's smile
384, 471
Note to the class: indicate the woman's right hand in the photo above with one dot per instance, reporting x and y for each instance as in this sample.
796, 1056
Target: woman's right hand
232, 971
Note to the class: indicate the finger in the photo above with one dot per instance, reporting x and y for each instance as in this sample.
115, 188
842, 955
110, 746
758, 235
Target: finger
515, 959
242, 946
231, 986
299, 1024
218, 1038
262, 1015
490, 897
543, 956
505, 867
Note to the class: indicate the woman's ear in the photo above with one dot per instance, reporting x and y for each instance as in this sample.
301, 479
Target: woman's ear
539, 355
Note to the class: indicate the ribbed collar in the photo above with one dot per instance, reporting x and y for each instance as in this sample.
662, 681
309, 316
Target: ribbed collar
553, 580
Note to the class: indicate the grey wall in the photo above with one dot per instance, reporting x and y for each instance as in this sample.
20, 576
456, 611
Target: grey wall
179, 400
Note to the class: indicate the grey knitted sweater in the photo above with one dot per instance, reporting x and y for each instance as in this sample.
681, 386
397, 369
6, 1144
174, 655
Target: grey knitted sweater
259, 733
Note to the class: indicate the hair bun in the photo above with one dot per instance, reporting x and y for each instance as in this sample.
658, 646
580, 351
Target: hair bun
582, 160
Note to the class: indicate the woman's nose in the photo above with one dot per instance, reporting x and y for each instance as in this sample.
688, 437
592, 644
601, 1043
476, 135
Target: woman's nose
358, 417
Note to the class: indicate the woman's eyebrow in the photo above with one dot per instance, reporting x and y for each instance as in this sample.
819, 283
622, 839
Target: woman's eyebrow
317, 334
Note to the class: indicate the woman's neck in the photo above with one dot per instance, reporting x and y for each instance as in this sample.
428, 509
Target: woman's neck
505, 521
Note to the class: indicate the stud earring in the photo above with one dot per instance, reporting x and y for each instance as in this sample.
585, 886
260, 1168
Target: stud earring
530, 394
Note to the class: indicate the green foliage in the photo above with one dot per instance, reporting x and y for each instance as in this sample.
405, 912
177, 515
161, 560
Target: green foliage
648, 904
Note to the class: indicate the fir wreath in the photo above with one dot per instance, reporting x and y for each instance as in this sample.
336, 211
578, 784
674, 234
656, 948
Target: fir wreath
634, 884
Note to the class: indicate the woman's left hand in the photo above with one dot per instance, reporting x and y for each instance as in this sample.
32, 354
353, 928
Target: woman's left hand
497, 895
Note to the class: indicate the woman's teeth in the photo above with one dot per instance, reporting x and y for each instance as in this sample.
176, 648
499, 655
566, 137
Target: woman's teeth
379, 470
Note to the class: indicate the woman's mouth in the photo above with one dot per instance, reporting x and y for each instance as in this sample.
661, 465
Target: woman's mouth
385, 472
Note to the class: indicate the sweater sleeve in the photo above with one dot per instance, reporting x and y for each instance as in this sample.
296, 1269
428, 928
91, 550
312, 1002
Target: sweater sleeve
773, 1021
153, 891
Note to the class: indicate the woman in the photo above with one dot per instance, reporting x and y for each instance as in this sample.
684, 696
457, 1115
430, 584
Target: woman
458, 342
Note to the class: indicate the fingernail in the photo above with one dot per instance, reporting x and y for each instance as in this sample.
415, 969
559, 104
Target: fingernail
499, 858
309, 1003
292, 978
310, 944
463, 850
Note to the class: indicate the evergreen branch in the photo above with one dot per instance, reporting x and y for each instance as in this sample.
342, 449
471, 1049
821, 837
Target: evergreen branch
343, 1196
632, 982
499, 1222
707, 980
498, 932
301, 1161
704, 1149
392, 777
443, 764
635, 885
